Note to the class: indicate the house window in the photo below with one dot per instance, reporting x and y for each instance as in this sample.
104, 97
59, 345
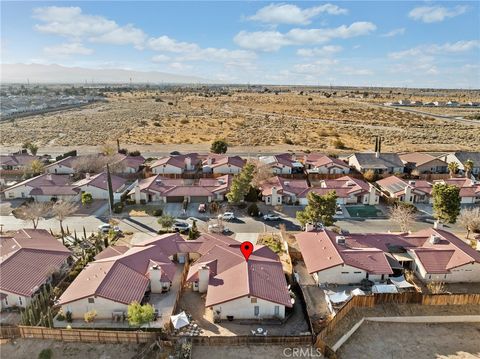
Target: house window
20, 301
256, 310
276, 311
91, 300
253, 300
6, 300
279, 199
345, 272
356, 272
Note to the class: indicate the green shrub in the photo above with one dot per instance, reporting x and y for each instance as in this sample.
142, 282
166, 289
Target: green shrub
118, 207
157, 212
68, 316
45, 354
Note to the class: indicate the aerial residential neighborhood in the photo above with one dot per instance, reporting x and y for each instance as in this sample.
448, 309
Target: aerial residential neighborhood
202, 180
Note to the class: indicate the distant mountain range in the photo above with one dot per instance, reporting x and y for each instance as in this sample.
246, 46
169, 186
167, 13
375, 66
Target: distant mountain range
35, 73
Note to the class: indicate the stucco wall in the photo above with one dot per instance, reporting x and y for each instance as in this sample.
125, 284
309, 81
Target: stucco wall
345, 275
14, 300
60, 169
168, 169
243, 308
104, 307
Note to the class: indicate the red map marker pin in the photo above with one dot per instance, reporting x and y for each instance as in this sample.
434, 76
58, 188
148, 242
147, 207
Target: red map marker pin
247, 249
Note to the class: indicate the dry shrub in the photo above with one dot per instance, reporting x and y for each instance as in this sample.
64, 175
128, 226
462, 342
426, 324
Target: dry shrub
436, 287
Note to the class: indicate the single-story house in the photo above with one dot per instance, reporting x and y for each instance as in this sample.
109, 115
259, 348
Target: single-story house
423, 163
320, 163
168, 190
461, 157
17, 161
44, 188
124, 164
378, 162
63, 166
28, 260
176, 165
118, 277
469, 190
285, 163
235, 288
349, 190
278, 190
222, 164
97, 185
434, 254
411, 191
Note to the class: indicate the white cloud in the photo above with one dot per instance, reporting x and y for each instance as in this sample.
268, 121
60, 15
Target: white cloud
394, 32
68, 49
178, 66
274, 40
456, 47
160, 58
319, 51
430, 14
356, 71
70, 22
165, 43
292, 14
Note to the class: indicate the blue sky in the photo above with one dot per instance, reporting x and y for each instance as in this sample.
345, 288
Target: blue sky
374, 43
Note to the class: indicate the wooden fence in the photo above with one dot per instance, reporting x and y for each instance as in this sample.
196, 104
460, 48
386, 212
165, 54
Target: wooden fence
251, 340
7, 332
86, 335
397, 298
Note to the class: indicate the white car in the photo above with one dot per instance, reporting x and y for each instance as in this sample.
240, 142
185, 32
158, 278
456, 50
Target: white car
105, 228
271, 217
227, 216
181, 226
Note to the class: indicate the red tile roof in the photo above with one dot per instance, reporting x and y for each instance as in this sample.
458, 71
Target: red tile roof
28, 259
177, 161
100, 181
216, 160
232, 277
283, 186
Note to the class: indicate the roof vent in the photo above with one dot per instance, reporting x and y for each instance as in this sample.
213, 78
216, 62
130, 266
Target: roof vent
158, 181
286, 183
412, 183
340, 240
155, 267
350, 183
434, 239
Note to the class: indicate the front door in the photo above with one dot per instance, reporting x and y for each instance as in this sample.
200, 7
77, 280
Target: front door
256, 310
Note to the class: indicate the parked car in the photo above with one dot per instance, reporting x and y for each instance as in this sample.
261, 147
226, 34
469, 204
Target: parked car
271, 217
317, 226
227, 216
338, 210
217, 228
106, 227
202, 208
181, 226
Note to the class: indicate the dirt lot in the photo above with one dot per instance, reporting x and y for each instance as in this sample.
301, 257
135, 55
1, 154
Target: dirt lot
390, 310
420, 341
246, 352
30, 348
304, 120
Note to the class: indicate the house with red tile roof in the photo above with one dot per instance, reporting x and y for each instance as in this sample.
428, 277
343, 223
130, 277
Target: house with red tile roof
434, 255
44, 188
277, 190
28, 259
321, 163
469, 189
284, 163
124, 164
408, 191
176, 164
235, 288
423, 163
170, 190
97, 185
65, 166
120, 276
222, 164
18, 161
349, 190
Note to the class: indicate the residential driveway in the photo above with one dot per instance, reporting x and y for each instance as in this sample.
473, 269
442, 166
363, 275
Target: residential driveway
250, 237
6, 206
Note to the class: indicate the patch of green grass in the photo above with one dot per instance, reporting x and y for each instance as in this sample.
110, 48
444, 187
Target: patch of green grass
272, 242
363, 211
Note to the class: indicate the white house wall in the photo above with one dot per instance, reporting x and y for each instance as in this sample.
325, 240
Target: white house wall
103, 307
167, 169
60, 169
14, 300
345, 274
22, 191
243, 308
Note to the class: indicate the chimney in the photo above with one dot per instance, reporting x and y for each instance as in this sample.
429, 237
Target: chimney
294, 157
377, 154
340, 240
137, 194
188, 163
434, 239
203, 278
49, 177
209, 161
155, 274
408, 193
309, 227
87, 176
437, 224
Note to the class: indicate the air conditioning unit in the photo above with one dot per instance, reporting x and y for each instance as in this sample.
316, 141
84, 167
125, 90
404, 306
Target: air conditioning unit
340, 240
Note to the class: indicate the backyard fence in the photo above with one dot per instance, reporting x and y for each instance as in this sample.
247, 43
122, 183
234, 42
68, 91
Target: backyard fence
7, 332
251, 340
397, 298
86, 336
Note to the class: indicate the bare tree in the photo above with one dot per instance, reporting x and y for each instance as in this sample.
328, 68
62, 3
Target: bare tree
89, 164
108, 149
62, 210
470, 219
261, 174
403, 215
34, 211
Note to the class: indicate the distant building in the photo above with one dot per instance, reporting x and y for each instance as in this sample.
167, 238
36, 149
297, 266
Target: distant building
378, 162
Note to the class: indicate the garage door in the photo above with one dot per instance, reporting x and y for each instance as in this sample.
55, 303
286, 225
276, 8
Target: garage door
199, 199
175, 199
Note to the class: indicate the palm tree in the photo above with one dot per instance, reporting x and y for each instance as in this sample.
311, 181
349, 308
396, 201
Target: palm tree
452, 168
468, 166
